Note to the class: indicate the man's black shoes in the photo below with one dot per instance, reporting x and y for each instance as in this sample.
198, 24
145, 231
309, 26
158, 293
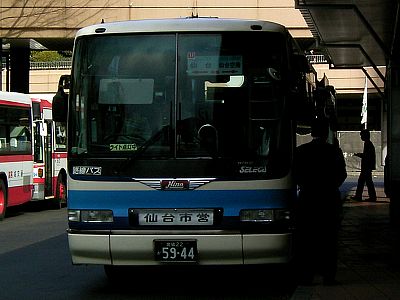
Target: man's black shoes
371, 199
359, 199
355, 198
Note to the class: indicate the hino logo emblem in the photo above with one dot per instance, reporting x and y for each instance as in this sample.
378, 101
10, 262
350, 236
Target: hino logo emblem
169, 185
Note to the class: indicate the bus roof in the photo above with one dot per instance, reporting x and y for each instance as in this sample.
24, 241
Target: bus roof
181, 25
44, 103
15, 97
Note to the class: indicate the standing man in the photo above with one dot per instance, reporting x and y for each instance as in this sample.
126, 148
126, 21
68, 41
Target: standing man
320, 170
368, 162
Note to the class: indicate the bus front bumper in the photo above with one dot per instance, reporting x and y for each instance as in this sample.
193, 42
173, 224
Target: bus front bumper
214, 248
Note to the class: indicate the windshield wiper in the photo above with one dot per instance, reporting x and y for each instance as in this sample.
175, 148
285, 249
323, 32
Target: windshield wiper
142, 149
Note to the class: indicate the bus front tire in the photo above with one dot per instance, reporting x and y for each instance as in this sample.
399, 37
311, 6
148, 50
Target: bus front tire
117, 274
61, 193
3, 200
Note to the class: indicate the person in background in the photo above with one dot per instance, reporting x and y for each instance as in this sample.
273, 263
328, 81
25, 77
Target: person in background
320, 170
368, 163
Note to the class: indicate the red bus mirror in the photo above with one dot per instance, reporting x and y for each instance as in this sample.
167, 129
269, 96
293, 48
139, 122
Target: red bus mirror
60, 100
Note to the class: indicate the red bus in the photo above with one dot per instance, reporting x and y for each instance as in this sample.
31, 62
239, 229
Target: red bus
16, 160
49, 155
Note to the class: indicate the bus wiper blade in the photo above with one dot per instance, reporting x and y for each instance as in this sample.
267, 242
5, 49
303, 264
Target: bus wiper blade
142, 149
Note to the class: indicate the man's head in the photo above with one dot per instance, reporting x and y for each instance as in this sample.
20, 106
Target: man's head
320, 128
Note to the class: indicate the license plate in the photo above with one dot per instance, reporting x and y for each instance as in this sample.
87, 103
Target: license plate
176, 250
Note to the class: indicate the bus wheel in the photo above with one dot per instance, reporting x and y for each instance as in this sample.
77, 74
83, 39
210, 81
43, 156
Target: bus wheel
111, 273
117, 274
61, 192
3, 200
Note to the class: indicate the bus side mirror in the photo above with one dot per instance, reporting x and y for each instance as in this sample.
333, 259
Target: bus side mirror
60, 100
302, 80
301, 64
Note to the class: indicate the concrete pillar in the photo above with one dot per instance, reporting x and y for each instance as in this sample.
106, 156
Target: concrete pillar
19, 79
393, 170
393, 95
1, 62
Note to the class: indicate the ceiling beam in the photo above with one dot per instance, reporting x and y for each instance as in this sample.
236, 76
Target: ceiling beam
357, 46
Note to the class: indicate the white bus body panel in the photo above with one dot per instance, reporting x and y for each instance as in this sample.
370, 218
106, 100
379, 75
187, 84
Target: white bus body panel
174, 25
231, 248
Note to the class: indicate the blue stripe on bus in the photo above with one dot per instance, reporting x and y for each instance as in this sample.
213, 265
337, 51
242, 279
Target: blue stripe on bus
232, 201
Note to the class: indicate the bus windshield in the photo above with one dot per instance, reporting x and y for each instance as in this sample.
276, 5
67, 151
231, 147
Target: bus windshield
187, 96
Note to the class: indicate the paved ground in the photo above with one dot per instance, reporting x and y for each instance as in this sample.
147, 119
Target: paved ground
369, 252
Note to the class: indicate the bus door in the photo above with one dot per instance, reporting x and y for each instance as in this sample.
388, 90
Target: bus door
48, 149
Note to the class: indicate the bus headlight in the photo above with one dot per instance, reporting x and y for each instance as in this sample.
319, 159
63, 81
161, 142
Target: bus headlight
76, 215
264, 215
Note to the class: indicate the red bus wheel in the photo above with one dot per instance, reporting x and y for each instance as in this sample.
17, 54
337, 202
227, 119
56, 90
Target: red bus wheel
61, 192
3, 200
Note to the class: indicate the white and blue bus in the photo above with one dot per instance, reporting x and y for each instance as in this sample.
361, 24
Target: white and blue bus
181, 135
